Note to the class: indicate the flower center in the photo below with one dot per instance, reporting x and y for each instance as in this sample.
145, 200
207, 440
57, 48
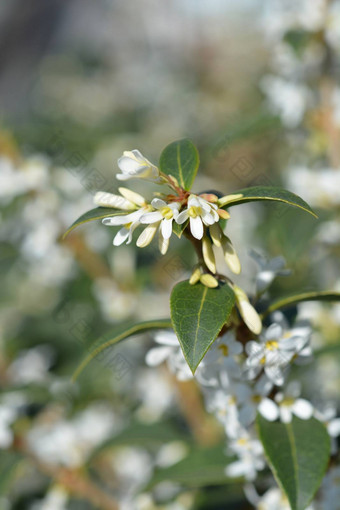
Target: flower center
167, 212
128, 225
272, 345
256, 399
224, 349
242, 441
288, 401
194, 211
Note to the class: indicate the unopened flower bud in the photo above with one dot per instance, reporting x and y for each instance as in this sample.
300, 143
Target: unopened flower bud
208, 254
195, 277
230, 255
247, 311
208, 280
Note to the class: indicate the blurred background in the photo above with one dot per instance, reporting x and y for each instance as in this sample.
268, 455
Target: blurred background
255, 85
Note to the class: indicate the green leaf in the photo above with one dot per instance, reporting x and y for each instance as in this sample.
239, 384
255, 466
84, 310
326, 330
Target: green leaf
198, 315
201, 467
181, 160
298, 453
298, 298
179, 229
95, 214
118, 334
266, 193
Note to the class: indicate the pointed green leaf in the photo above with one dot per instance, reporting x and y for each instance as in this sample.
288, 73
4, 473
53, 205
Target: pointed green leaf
298, 454
179, 229
201, 467
94, 214
298, 298
273, 193
181, 160
198, 315
118, 334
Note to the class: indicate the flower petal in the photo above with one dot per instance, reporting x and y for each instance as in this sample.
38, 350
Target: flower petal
151, 217
196, 227
303, 409
268, 409
157, 355
166, 228
147, 235
110, 200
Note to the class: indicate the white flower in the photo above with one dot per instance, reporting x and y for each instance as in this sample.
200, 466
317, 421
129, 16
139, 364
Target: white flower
201, 212
132, 201
171, 352
273, 353
257, 401
55, 499
220, 356
269, 270
251, 457
289, 403
163, 218
134, 165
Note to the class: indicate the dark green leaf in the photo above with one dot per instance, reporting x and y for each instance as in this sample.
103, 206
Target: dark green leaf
118, 334
298, 453
181, 160
266, 193
95, 214
306, 296
179, 229
201, 467
198, 315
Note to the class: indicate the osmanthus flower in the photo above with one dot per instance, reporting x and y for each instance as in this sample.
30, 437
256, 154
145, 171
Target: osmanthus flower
272, 353
169, 350
200, 212
257, 401
250, 456
134, 165
222, 355
161, 218
289, 403
269, 269
130, 201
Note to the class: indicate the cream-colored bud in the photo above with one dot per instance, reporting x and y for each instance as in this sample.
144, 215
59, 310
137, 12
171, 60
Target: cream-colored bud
216, 234
229, 199
195, 277
247, 311
208, 280
147, 235
134, 197
230, 255
208, 254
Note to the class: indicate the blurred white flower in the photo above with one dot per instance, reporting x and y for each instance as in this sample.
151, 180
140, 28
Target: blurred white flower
7, 417
290, 403
251, 457
69, 443
170, 351
287, 99
269, 269
134, 165
200, 212
31, 365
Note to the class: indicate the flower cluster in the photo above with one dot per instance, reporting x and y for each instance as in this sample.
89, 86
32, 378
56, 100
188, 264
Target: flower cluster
177, 210
240, 378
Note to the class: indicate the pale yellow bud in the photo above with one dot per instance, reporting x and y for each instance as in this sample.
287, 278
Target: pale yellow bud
208, 280
230, 255
247, 311
208, 255
195, 277
147, 235
229, 199
216, 234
